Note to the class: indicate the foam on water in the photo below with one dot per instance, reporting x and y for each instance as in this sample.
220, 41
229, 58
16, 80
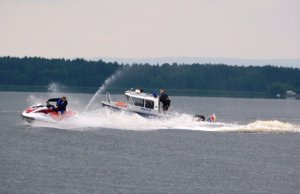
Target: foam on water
106, 119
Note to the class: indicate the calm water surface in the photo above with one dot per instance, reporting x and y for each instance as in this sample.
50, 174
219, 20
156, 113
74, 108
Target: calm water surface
100, 159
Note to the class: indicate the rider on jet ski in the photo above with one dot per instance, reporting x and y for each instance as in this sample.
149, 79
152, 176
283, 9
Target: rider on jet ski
61, 104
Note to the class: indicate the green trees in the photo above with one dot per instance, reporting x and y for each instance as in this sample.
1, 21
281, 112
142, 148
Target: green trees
35, 71
40, 71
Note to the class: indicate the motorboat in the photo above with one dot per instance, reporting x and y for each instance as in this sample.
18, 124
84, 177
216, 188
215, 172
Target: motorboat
40, 112
136, 101
144, 104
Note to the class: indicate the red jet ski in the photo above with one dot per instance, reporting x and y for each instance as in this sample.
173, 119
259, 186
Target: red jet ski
42, 113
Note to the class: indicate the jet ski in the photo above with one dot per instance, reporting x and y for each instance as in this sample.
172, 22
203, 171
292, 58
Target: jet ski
39, 112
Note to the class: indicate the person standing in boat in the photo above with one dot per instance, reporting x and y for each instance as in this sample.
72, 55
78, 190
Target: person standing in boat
164, 99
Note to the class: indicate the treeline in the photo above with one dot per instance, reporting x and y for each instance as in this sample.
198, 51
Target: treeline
40, 71
35, 71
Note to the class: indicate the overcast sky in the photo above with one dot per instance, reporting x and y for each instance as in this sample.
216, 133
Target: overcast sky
252, 29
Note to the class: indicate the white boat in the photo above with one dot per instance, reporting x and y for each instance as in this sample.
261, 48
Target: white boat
136, 101
144, 104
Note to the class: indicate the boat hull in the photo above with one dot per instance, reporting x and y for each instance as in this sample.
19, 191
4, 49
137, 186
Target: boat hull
51, 117
27, 118
144, 112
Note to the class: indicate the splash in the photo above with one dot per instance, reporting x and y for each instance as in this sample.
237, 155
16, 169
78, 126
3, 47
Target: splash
270, 126
32, 99
106, 119
55, 88
102, 88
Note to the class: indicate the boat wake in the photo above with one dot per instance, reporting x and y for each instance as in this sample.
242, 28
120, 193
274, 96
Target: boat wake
106, 119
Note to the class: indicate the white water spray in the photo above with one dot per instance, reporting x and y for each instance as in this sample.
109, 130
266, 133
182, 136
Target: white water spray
55, 88
107, 119
102, 88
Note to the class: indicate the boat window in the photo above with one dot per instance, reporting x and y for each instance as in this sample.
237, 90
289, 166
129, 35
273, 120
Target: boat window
149, 104
138, 102
128, 99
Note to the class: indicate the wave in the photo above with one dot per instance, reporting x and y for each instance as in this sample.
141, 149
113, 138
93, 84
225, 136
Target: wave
270, 126
106, 119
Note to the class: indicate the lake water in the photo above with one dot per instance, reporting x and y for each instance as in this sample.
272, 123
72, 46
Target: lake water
253, 148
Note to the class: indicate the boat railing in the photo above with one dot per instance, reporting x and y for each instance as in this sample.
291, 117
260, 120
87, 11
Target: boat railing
108, 98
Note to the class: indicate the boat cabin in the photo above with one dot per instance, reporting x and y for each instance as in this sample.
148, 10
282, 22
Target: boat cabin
144, 100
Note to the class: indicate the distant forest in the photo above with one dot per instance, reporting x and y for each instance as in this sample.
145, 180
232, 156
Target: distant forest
184, 79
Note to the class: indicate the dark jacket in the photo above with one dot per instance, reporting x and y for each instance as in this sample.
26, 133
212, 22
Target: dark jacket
164, 99
61, 105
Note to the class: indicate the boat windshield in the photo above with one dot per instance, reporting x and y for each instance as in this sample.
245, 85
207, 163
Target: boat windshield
135, 101
139, 102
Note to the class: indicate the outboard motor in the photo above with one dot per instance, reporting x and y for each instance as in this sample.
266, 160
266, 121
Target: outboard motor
199, 117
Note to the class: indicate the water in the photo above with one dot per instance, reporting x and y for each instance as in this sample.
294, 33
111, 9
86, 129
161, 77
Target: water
105, 152
102, 88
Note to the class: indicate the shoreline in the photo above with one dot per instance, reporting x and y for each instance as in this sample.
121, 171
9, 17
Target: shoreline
112, 90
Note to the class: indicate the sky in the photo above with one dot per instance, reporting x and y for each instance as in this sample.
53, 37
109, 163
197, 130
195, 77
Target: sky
244, 29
